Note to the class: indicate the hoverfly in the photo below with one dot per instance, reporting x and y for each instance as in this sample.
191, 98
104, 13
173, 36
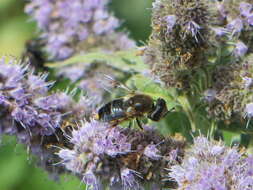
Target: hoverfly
133, 106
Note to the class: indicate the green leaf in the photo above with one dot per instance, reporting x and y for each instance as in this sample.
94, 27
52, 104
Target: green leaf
230, 137
177, 122
186, 105
18, 171
125, 60
227, 50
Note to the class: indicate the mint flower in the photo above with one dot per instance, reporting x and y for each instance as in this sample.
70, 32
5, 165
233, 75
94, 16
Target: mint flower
211, 165
240, 49
68, 26
182, 31
245, 8
119, 158
233, 86
171, 21
33, 114
238, 16
236, 25
249, 110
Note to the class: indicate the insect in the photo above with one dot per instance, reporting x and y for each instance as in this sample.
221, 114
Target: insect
133, 106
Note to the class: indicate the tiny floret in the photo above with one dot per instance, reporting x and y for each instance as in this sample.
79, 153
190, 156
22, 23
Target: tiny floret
240, 49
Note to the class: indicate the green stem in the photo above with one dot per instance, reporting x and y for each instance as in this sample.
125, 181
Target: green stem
186, 105
213, 128
236, 128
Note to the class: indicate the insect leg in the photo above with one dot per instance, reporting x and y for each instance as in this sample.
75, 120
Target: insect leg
139, 123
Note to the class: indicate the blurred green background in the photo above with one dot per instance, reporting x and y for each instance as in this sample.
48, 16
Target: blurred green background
18, 172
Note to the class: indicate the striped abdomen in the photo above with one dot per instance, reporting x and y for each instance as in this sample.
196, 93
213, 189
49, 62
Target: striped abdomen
112, 111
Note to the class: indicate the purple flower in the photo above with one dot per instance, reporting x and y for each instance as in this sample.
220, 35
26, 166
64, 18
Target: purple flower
193, 28
123, 42
93, 89
236, 26
220, 31
210, 94
171, 21
222, 10
249, 110
210, 165
93, 141
73, 73
104, 154
128, 178
92, 136
240, 49
28, 99
92, 181
57, 101
248, 82
31, 113
37, 84
66, 24
245, 8
152, 152
67, 156
250, 19
179, 29
102, 27
43, 16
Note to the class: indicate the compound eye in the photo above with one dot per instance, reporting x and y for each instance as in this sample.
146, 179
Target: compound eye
138, 106
161, 102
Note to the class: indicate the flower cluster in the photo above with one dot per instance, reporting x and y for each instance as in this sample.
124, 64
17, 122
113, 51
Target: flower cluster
120, 158
230, 90
188, 35
74, 26
237, 13
211, 165
182, 32
232, 76
191, 38
31, 113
